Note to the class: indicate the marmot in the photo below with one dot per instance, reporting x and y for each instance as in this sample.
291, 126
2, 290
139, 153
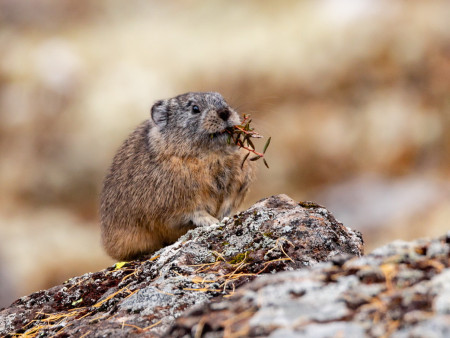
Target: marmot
176, 171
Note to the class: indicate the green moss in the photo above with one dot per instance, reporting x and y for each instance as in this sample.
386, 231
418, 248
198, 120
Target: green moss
238, 258
77, 302
241, 257
118, 265
309, 205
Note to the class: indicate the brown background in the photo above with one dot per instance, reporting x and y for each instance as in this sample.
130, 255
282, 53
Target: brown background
355, 95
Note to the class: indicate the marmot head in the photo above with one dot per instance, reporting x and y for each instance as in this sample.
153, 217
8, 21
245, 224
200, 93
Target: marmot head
195, 119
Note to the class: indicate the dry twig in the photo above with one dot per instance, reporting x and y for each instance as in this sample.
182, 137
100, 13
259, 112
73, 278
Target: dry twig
241, 136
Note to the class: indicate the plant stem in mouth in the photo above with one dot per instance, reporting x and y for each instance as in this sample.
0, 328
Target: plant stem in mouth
241, 134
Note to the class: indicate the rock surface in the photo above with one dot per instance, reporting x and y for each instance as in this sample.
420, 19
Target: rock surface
399, 290
146, 296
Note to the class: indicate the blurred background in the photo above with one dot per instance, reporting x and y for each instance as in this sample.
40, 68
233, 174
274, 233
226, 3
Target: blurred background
355, 94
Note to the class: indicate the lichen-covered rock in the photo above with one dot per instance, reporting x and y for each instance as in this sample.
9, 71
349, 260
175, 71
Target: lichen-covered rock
146, 296
399, 290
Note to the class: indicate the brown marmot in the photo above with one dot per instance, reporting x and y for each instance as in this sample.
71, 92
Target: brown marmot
176, 171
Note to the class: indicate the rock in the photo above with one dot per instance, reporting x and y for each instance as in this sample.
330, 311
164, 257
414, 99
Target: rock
399, 290
209, 263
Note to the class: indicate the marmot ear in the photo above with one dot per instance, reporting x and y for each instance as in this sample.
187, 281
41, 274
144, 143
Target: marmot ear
159, 113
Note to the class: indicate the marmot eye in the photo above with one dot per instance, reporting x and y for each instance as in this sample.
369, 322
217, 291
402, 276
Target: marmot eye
195, 109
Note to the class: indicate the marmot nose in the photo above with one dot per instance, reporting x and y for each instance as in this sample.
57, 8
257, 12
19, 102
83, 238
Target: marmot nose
224, 114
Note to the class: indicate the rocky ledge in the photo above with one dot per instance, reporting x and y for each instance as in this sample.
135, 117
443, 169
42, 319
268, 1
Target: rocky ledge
146, 296
399, 290
279, 269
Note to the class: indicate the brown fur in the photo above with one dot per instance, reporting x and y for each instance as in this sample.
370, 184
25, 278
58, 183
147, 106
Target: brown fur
171, 175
